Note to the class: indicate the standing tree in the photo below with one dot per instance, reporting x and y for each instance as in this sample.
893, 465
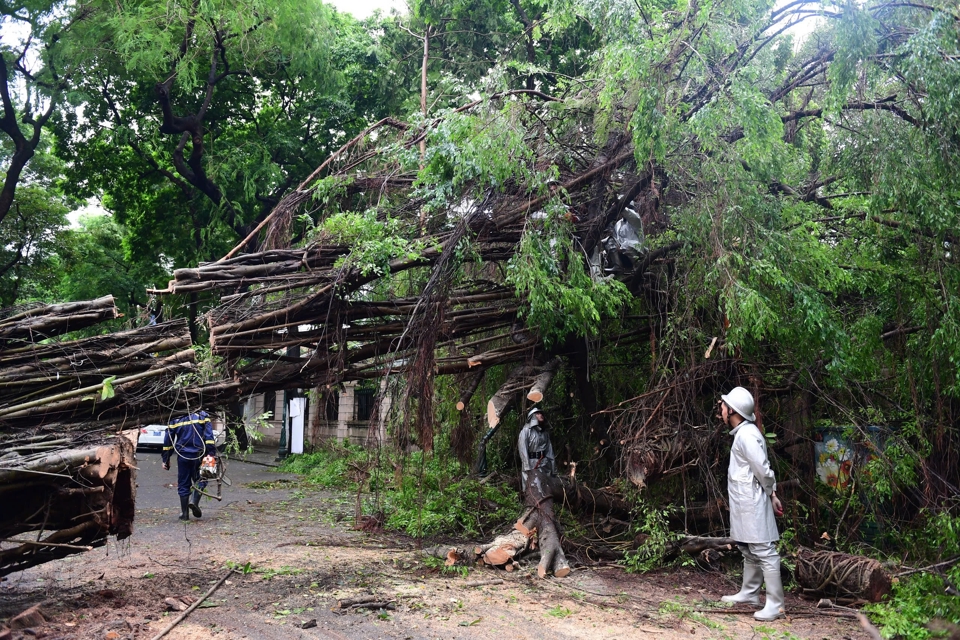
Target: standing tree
195, 126
35, 69
31, 232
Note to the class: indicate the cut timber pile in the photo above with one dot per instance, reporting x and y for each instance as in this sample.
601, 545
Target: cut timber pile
67, 476
80, 493
59, 385
839, 574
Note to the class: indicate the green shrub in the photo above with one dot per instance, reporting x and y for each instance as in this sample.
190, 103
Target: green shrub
916, 600
919, 598
652, 522
435, 495
328, 466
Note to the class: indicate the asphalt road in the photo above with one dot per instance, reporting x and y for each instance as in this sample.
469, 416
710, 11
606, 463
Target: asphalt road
157, 489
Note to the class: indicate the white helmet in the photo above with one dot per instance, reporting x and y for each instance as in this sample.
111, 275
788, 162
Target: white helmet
741, 401
533, 412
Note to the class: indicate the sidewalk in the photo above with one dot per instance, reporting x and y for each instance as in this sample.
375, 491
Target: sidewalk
265, 456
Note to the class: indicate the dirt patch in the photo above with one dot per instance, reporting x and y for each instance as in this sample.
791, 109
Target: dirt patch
296, 556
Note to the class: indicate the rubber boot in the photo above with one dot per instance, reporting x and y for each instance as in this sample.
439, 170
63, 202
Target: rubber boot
773, 609
184, 513
750, 591
195, 505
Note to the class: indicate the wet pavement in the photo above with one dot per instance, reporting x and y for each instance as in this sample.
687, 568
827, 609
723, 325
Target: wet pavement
157, 489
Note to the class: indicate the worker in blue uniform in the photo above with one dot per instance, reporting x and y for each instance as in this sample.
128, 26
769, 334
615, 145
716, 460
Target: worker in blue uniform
191, 437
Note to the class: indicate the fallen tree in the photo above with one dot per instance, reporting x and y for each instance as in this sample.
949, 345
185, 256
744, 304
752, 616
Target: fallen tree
122, 378
76, 493
831, 573
67, 473
39, 322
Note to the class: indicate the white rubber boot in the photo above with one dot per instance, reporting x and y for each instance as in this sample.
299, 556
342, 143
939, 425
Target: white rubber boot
773, 609
750, 591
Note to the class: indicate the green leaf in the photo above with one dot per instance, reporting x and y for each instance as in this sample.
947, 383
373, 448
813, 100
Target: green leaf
107, 392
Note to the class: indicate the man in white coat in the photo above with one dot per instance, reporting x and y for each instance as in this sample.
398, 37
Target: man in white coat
751, 487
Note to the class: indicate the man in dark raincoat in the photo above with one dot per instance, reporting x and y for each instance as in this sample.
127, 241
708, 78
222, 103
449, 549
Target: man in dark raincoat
191, 437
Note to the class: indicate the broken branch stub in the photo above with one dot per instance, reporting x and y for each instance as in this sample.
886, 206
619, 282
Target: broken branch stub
503, 399
543, 380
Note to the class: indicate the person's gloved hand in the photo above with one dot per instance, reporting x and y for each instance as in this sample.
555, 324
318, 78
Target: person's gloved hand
777, 505
166, 466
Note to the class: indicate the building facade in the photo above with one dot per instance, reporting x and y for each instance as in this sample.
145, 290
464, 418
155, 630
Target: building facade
346, 414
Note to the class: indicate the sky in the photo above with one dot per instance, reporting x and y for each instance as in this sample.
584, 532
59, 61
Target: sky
363, 8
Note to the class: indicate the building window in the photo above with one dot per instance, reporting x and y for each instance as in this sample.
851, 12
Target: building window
270, 404
364, 402
331, 404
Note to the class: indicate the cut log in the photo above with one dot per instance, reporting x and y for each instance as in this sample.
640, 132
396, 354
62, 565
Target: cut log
839, 574
505, 548
451, 556
81, 495
543, 380
175, 605
695, 544
31, 617
38, 323
501, 401
470, 389
707, 551
537, 527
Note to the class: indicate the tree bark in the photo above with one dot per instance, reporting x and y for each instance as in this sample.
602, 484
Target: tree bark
470, 389
23, 147
505, 396
53, 320
839, 574
543, 380
539, 497
81, 494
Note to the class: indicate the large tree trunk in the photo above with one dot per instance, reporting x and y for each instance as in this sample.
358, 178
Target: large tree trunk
497, 406
798, 432
539, 497
42, 322
839, 574
80, 494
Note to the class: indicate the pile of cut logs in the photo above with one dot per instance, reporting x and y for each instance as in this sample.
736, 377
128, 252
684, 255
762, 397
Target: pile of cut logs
69, 409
